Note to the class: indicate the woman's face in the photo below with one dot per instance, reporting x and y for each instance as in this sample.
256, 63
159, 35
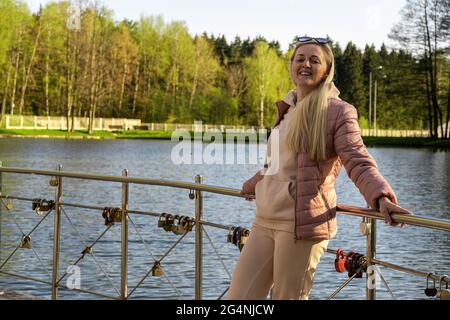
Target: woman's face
309, 67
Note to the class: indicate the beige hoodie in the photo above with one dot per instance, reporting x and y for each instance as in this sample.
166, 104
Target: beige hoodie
275, 194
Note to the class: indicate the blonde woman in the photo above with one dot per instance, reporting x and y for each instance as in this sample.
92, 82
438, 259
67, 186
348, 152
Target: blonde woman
315, 132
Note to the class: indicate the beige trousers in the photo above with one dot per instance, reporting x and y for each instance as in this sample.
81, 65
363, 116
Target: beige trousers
272, 259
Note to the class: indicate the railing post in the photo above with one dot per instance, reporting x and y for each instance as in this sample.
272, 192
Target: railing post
198, 240
56, 236
371, 241
124, 240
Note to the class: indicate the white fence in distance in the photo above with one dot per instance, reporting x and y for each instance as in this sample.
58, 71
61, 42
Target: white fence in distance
113, 124
60, 123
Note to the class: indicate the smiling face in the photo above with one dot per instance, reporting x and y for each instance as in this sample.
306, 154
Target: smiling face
309, 67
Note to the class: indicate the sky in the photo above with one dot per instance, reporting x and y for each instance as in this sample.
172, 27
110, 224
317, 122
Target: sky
360, 21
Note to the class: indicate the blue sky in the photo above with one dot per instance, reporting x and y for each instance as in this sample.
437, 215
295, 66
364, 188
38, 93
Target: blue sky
360, 21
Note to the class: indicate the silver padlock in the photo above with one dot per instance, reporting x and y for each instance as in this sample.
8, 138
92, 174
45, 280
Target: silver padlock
169, 223
178, 228
162, 220
364, 227
443, 294
176, 222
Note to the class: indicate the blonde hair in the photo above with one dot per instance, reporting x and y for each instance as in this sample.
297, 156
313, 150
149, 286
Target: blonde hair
308, 129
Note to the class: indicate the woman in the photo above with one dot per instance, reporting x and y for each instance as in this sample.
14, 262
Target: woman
315, 133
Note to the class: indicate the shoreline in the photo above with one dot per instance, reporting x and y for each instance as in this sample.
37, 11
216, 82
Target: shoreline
412, 142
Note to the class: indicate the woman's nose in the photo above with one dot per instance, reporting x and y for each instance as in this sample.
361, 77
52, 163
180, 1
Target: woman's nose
306, 64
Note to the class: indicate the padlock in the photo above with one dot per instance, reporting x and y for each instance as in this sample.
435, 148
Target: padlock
106, 214
339, 262
443, 294
348, 260
42, 206
184, 225
356, 265
9, 205
116, 215
162, 220
36, 202
191, 194
176, 223
431, 292
188, 222
177, 227
230, 235
234, 238
364, 228
157, 270
53, 182
169, 222
243, 237
25, 242
87, 250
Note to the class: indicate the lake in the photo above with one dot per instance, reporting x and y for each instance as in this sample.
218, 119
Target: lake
420, 178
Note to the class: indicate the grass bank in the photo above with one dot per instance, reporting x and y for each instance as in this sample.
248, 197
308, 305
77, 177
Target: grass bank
82, 134
406, 142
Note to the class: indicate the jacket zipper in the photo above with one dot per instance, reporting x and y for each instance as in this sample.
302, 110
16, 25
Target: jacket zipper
295, 208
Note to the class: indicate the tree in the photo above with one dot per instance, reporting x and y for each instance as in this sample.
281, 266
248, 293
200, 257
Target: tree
205, 69
14, 16
350, 77
265, 72
425, 30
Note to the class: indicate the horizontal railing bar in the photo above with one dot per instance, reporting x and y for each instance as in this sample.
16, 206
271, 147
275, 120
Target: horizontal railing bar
155, 182
153, 214
410, 271
419, 221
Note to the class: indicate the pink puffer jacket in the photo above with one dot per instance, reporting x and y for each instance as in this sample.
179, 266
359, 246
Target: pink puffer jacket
315, 205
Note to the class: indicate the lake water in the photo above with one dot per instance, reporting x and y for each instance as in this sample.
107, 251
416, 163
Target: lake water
420, 178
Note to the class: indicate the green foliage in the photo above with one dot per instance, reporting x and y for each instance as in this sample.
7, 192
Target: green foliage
350, 77
363, 122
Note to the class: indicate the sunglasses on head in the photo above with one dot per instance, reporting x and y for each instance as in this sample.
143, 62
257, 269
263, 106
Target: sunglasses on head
318, 40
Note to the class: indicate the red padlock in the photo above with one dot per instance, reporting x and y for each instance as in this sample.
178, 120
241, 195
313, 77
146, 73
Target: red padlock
339, 262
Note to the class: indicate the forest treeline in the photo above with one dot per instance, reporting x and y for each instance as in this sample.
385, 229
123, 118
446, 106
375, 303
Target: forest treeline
73, 59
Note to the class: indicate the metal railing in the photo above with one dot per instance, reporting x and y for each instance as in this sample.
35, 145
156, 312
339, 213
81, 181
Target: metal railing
196, 189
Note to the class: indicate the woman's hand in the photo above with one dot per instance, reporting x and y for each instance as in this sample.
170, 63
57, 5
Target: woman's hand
387, 208
247, 196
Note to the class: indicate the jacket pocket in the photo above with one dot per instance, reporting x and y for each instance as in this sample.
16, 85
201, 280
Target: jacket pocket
274, 199
324, 199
